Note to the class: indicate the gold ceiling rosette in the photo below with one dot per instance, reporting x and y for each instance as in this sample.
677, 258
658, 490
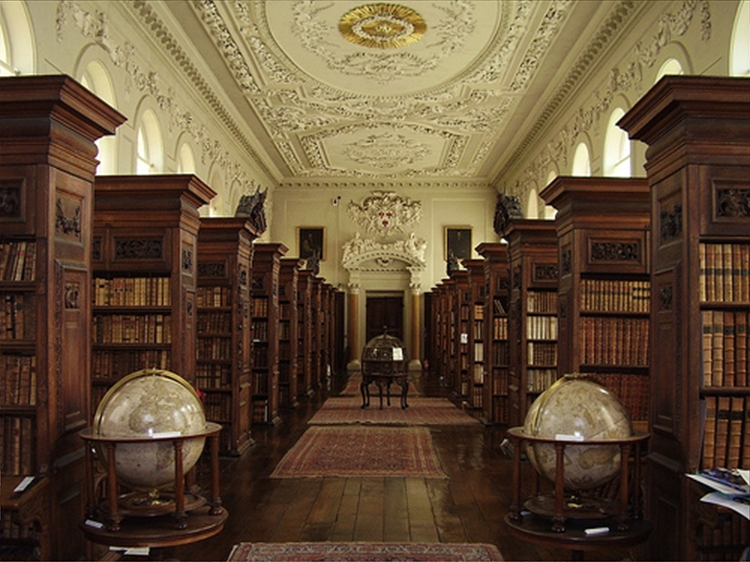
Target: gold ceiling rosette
382, 26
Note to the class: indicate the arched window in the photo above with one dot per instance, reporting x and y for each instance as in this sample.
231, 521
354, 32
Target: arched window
96, 78
581, 161
739, 51
149, 159
185, 160
532, 205
616, 148
17, 47
671, 67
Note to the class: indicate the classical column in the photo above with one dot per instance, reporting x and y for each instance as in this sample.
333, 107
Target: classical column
352, 319
415, 350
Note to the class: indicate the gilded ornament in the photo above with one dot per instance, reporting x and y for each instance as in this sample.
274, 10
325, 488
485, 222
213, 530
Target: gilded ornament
382, 26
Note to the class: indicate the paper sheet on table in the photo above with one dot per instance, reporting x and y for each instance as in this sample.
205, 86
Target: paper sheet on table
739, 503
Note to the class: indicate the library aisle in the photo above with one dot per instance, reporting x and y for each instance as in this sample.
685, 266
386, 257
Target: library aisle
466, 507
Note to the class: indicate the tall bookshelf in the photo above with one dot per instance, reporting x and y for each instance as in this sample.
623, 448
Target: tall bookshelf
532, 329
265, 325
223, 371
305, 352
477, 365
698, 169
288, 329
318, 319
496, 349
458, 380
145, 257
48, 125
448, 331
603, 229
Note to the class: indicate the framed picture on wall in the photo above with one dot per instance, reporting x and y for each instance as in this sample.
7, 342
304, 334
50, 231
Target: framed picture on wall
311, 239
458, 240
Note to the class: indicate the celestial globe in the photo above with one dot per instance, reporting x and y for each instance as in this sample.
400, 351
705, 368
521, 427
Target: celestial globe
577, 408
151, 403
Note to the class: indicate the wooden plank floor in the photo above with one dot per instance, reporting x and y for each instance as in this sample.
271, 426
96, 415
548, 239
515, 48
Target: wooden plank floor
468, 506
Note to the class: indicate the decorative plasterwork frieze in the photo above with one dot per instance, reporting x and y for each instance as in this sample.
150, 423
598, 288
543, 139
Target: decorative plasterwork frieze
314, 151
95, 26
298, 110
456, 25
384, 213
625, 77
386, 150
411, 250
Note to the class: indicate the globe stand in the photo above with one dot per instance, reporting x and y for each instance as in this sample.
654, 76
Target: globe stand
561, 519
154, 503
139, 518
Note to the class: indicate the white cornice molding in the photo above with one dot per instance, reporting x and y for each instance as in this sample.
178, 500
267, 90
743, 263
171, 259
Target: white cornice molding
385, 185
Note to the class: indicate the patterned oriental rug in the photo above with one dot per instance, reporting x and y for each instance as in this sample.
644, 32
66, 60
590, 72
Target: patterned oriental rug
364, 552
352, 451
421, 411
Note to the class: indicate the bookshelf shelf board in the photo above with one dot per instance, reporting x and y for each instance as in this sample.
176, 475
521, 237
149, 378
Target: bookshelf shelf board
128, 346
214, 309
17, 410
725, 391
111, 310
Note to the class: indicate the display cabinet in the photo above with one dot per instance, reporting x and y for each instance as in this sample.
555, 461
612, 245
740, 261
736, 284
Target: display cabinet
532, 329
48, 126
496, 349
265, 328
223, 368
697, 129
603, 230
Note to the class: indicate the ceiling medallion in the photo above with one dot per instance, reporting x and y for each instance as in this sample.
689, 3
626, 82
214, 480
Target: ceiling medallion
382, 26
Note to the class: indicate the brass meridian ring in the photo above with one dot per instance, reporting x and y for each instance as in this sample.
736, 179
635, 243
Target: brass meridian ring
382, 26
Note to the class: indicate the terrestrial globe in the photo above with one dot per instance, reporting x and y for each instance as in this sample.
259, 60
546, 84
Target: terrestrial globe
151, 403
576, 407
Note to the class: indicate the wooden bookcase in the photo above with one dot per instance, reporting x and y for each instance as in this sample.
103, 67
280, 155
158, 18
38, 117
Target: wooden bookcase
145, 256
461, 302
496, 349
318, 341
477, 365
603, 230
48, 125
288, 332
532, 330
265, 324
223, 371
305, 352
698, 169
448, 331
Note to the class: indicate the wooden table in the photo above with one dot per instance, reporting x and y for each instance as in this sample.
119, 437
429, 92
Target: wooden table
384, 381
30, 507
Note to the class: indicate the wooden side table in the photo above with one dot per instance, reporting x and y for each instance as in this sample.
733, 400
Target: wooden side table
30, 508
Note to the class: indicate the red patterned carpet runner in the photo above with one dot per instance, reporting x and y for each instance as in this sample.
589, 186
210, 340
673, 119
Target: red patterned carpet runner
421, 411
364, 552
355, 451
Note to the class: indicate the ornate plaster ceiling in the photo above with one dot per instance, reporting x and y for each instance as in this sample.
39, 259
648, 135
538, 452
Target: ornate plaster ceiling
416, 89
